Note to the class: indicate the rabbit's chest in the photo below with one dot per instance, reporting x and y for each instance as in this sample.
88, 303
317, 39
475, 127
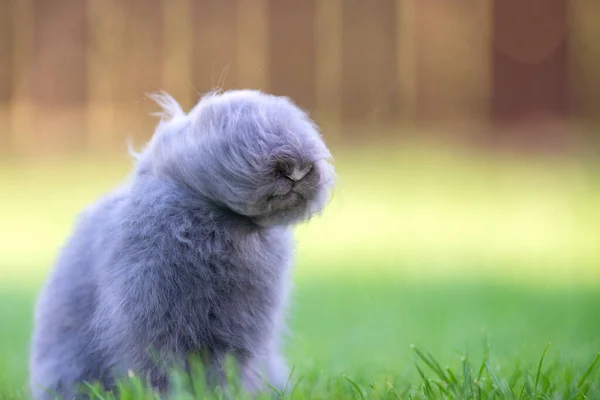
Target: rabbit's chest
240, 290
248, 292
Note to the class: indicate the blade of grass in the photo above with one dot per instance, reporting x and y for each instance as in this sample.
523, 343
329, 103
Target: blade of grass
95, 391
501, 387
583, 385
391, 389
428, 390
522, 391
539, 370
589, 370
481, 369
442, 388
355, 386
300, 379
432, 364
467, 381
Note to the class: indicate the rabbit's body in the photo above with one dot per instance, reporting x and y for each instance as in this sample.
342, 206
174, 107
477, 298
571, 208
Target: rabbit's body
158, 271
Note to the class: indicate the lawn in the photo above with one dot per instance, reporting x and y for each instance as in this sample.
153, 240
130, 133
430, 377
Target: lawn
482, 261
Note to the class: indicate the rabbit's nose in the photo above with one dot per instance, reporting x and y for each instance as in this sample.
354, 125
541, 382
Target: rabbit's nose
298, 173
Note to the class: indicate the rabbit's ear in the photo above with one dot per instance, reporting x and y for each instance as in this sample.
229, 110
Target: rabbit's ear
170, 107
172, 117
173, 121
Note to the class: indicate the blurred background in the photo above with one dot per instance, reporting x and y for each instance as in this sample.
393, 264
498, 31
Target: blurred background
465, 135
74, 72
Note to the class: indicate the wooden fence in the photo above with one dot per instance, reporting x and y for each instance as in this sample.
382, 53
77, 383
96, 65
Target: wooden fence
73, 72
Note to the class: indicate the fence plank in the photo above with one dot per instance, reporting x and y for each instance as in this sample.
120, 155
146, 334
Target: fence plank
106, 23
328, 68
370, 90
453, 60
292, 50
530, 59
178, 45
215, 33
22, 127
7, 41
252, 44
530, 75
59, 67
406, 60
6, 72
584, 60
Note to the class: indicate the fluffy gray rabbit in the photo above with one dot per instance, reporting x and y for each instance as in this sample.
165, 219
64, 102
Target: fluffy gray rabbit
191, 256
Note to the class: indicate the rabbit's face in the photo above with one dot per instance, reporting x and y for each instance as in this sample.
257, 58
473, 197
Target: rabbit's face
262, 157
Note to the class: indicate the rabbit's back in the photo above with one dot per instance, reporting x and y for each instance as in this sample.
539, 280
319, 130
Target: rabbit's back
64, 347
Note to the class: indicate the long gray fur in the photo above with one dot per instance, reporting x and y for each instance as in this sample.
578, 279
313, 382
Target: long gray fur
191, 256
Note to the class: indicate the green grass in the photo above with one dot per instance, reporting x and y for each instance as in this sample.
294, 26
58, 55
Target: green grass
480, 261
364, 331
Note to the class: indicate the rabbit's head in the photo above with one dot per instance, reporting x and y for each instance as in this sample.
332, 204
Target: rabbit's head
256, 154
